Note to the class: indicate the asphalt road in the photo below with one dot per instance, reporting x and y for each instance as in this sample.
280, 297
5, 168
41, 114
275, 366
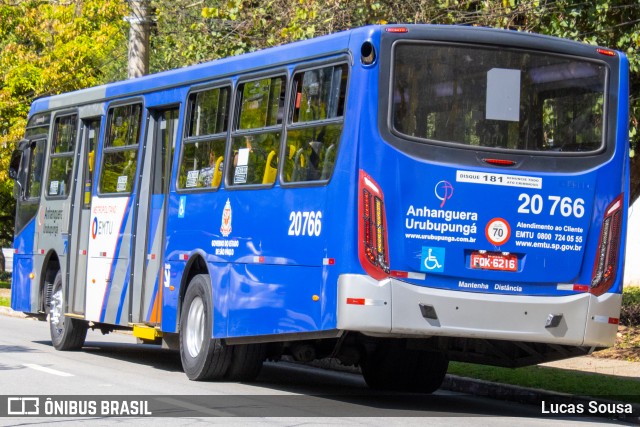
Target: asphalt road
284, 394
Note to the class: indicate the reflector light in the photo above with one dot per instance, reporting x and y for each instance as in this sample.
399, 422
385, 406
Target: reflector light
355, 301
396, 30
16, 251
408, 275
572, 287
329, 261
183, 257
499, 162
606, 52
606, 319
258, 259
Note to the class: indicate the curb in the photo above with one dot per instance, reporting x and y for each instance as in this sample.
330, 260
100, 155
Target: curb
7, 311
531, 396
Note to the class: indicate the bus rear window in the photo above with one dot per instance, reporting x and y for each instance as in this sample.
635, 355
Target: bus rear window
498, 98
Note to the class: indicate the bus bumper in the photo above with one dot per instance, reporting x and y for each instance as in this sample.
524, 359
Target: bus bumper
391, 307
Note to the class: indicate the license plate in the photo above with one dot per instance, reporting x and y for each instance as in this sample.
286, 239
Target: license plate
494, 261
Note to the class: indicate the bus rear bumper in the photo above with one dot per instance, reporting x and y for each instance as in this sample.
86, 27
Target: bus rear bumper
392, 307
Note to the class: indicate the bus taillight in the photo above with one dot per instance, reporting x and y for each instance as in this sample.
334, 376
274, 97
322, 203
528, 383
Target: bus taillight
606, 264
372, 228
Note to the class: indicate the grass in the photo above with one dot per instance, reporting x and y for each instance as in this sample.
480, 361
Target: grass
5, 285
5, 302
553, 379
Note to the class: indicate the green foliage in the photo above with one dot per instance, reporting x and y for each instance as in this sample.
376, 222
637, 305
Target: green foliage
5, 302
48, 48
559, 380
630, 312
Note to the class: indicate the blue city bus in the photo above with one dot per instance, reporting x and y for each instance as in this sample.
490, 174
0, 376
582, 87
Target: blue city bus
393, 197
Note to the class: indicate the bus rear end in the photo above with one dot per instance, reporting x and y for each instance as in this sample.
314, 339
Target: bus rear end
492, 203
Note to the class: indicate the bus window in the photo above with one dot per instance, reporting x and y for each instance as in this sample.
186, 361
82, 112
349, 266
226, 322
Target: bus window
315, 125
486, 97
35, 169
120, 157
167, 135
62, 154
255, 153
204, 146
201, 165
92, 130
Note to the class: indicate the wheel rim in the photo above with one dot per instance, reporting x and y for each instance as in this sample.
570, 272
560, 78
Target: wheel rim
55, 312
195, 327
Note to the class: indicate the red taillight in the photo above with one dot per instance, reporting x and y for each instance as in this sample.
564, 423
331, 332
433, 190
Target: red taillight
606, 52
372, 228
606, 264
396, 30
499, 162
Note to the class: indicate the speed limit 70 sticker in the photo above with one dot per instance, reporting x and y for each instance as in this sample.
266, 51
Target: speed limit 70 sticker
498, 231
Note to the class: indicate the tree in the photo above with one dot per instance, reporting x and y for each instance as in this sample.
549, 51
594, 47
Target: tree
49, 47
190, 32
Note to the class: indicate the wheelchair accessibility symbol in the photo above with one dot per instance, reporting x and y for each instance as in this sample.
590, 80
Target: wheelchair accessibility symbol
432, 259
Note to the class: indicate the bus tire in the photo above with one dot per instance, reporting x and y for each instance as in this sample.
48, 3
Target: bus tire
406, 370
203, 358
66, 333
246, 362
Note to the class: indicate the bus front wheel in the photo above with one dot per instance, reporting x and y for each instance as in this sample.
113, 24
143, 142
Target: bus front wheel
203, 358
399, 369
66, 333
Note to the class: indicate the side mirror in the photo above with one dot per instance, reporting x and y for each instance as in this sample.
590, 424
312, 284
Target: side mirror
14, 165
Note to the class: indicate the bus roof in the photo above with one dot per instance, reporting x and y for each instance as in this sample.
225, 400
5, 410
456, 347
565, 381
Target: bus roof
206, 71
246, 63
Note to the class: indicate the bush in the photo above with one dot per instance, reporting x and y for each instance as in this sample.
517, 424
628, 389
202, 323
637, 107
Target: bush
630, 312
5, 276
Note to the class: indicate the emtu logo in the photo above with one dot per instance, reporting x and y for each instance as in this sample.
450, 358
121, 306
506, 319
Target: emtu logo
443, 191
94, 227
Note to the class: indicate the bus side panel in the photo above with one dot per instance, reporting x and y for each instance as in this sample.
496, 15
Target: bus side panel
172, 275
268, 299
21, 285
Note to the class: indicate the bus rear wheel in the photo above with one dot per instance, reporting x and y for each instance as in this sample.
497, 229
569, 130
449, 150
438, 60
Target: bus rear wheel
246, 362
203, 358
66, 333
399, 369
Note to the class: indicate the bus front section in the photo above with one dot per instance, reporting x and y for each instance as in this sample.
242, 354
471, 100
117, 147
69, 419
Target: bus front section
492, 203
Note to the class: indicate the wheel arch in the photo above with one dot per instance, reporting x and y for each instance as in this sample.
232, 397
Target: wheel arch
196, 265
50, 268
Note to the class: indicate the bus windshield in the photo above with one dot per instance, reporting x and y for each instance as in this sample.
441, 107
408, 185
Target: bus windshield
498, 98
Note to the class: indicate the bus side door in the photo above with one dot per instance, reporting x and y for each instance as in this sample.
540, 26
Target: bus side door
81, 215
146, 291
113, 216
